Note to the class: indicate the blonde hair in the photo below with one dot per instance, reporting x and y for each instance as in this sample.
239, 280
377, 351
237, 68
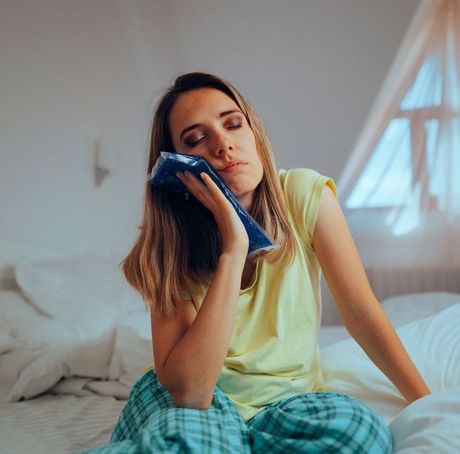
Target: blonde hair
172, 253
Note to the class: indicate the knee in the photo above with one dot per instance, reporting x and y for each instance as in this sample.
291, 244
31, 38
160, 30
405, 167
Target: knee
362, 429
322, 422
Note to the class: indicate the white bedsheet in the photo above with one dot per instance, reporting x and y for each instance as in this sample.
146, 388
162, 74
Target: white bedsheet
430, 424
75, 387
111, 362
329, 335
83, 379
52, 424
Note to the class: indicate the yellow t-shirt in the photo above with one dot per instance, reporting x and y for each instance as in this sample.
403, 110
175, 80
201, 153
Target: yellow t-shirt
274, 350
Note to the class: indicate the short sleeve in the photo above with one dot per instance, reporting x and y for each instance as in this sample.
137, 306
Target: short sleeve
303, 189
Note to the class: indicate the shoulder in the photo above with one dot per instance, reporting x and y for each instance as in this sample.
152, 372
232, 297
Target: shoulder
303, 178
303, 189
301, 185
298, 171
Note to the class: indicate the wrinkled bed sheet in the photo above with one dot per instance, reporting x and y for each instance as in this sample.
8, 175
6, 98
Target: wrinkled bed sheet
78, 386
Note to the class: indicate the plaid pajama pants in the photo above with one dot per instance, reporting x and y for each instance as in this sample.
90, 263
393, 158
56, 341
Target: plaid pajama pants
319, 422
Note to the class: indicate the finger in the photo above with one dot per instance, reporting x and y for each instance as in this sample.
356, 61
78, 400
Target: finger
187, 175
195, 186
205, 190
211, 185
194, 182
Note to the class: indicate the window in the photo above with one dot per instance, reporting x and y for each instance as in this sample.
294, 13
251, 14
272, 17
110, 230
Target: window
408, 160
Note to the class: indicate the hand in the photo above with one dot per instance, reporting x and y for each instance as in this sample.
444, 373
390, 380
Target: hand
234, 236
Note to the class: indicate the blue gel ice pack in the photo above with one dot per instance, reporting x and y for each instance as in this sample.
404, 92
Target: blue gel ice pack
164, 175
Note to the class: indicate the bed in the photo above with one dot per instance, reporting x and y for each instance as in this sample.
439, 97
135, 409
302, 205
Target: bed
72, 346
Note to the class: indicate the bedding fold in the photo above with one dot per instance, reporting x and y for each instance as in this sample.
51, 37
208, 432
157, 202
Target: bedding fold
108, 365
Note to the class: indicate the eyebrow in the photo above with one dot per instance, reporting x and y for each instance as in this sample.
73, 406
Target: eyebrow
222, 114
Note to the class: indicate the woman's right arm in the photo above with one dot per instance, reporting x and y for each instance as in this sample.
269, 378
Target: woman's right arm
190, 349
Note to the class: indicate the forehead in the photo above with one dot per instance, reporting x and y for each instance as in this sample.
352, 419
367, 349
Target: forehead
197, 105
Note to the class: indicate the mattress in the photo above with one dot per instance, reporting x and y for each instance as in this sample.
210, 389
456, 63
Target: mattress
50, 423
62, 391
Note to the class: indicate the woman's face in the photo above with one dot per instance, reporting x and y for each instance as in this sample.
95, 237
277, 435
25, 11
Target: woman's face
205, 122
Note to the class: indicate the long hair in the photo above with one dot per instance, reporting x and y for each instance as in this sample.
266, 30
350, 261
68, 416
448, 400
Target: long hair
178, 246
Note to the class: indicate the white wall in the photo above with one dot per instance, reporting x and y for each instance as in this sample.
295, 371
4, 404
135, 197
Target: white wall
73, 71
311, 67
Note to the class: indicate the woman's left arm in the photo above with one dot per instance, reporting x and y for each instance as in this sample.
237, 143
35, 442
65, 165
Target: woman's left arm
361, 312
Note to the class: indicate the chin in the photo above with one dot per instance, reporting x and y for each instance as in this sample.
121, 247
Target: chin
240, 191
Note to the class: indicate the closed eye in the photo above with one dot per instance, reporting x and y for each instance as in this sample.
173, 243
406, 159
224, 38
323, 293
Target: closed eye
235, 122
193, 141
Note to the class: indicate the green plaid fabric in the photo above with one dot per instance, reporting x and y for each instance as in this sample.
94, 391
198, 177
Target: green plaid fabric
151, 423
321, 422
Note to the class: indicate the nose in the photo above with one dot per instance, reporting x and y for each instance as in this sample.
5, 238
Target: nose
222, 146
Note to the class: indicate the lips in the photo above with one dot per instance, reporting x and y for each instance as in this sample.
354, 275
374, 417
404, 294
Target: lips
233, 166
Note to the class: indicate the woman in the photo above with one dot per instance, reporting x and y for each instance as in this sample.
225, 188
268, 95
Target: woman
235, 340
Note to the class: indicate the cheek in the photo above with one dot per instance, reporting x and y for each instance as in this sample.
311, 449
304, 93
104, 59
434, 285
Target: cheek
259, 168
251, 145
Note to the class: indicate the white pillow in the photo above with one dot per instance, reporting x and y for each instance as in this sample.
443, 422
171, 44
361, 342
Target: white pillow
131, 355
429, 425
120, 354
433, 343
404, 309
32, 370
89, 292
139, 320
12, 252
23, 322
6, 339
